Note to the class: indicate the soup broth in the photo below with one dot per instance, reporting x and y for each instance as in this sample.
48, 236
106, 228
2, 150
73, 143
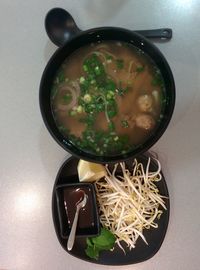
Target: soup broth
107, 98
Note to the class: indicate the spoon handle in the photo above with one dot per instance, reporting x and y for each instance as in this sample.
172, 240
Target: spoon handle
71, 238
162, 33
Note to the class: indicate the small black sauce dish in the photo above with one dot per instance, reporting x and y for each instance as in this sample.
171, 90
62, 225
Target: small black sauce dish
67, 197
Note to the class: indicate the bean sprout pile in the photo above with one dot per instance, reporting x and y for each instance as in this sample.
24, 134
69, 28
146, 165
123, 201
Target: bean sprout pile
130, 202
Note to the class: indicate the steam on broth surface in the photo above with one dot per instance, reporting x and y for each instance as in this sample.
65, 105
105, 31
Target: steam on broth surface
107, 98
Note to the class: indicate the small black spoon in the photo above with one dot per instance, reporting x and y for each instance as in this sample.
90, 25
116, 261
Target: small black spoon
61, 27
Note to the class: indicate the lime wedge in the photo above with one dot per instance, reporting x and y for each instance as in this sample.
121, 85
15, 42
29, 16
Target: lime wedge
90, 172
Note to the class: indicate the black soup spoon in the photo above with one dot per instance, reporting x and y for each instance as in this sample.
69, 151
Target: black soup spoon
61, 27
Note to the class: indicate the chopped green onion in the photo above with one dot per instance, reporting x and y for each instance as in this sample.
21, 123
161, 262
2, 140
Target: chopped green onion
119, 63
140, 69
87, 98
85, 68
109, 57
124, 124
61, 76
79, 109
67, 98
82, 79
111, 126
72, 113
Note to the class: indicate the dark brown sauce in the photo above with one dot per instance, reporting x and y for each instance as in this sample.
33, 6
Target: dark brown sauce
72, 196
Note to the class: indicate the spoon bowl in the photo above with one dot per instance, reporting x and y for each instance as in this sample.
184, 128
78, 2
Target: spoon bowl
60, 26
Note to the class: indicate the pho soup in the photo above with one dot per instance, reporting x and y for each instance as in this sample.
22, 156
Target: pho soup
108, 98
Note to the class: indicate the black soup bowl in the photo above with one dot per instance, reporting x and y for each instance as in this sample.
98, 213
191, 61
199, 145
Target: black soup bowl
99, 35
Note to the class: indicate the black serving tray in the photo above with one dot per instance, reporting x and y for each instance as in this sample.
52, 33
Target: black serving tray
142, 251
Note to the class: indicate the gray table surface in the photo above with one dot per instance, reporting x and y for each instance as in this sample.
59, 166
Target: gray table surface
30, 159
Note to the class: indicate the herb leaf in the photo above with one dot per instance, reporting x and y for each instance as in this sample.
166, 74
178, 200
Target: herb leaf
92, 252
105, 241
89, 242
